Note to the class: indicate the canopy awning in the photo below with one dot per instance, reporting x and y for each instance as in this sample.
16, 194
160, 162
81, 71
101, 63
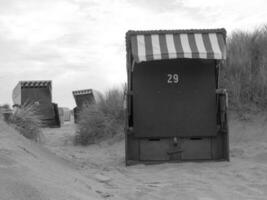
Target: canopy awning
34, 84
82, 92
159, 45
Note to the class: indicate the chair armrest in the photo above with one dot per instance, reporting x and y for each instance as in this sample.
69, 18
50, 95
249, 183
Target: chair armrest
222, 99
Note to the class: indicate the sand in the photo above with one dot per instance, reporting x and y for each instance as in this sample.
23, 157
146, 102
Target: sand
59, 170
29, 171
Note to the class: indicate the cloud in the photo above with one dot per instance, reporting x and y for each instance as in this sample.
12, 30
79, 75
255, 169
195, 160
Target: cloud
80, 44
158, 5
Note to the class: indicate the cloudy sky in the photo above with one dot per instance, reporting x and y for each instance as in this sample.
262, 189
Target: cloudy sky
80, 44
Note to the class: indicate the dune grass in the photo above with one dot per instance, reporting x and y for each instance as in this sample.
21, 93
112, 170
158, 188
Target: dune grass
102, 120
26, 120
245, 73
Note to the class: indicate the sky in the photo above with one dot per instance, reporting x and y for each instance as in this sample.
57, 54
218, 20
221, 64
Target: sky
80, 44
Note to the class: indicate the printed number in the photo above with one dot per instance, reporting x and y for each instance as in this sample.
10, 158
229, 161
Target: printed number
173, 78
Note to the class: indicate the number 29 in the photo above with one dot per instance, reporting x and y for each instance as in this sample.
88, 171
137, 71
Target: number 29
172, 78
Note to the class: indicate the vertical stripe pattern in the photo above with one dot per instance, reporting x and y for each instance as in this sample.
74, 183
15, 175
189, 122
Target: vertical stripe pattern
178, 46
207, 43
148, 47
221, 41
163, 47
156, 47
36, 84
200, 46
170, 46
185, 46
141, 50
215, 46
193, 46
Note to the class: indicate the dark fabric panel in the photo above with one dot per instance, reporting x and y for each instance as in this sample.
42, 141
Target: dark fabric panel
42, 99
83, 100
186, 108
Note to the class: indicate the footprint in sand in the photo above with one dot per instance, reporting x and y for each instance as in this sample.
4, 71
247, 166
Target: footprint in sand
102, 178
156, 184
153, 184
104, 195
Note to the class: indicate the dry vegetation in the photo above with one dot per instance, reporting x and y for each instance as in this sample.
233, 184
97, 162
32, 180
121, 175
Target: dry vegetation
27, 122
5, 112
245, 73
104, 119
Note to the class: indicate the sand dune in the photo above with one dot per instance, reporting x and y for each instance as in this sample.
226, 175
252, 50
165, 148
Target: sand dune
30, 172
58, 170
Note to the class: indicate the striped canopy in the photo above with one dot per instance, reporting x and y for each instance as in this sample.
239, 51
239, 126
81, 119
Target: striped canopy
35, 83
82, 92
159, 45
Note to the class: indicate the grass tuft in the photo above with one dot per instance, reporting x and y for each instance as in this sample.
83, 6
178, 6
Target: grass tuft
102, 120
26, 120
246, 70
